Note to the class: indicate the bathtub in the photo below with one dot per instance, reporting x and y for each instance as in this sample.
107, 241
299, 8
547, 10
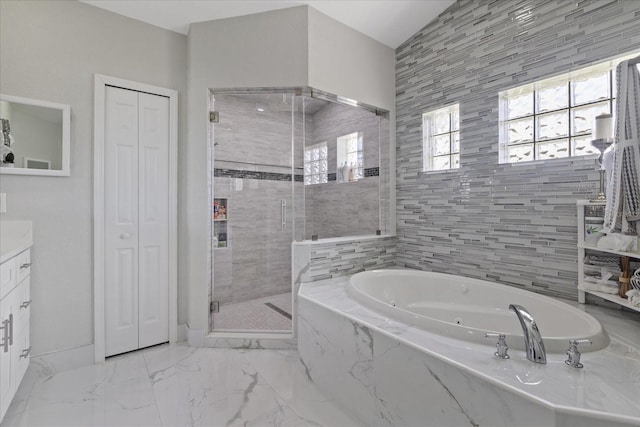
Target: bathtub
466, 308
426, 361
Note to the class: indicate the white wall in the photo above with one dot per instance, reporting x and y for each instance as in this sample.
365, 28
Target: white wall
51, 51
345, 62
285, 48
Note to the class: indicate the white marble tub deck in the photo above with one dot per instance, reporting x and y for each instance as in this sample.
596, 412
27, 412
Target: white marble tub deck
607, 388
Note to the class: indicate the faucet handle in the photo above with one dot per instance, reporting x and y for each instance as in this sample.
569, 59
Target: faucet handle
501, 345
573, 354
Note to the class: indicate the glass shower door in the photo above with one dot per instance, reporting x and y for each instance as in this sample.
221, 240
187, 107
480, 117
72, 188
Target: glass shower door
252, 212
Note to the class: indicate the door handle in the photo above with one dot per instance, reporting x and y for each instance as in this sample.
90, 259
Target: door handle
283, 214
11, 329
125, 236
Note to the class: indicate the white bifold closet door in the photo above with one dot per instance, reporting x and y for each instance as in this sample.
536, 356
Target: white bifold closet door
136, 220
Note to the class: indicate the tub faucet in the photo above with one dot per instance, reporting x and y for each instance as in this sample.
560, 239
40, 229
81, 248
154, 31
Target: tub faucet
533, 343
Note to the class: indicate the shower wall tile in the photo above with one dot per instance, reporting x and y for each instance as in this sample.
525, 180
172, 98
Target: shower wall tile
342, 209
257, 261
335, 120
247, 136
345, 209
515, 224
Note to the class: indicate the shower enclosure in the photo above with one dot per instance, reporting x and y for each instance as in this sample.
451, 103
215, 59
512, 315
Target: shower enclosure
286, 165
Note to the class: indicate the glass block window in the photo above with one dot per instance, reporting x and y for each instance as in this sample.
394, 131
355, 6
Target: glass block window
441, 139
554, 118
350, 154
315, 164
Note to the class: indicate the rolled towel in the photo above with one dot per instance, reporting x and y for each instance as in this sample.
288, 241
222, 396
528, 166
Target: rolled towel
634, 297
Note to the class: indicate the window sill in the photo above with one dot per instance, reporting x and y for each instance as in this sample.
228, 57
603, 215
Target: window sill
440, 171
589, 157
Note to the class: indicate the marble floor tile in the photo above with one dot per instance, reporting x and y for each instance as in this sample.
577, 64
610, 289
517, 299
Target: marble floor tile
288, 377
117, 392
177, 385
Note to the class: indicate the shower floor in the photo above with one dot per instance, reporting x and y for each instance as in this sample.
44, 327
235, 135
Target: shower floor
268, 314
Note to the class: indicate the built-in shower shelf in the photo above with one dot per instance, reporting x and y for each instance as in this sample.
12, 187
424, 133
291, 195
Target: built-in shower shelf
221, 227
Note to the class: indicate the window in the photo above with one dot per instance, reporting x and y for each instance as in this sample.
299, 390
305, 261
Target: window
350, 160
554, 118
441, 139
315, 164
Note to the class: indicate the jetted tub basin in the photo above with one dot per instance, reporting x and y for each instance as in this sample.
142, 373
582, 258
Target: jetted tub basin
466, 308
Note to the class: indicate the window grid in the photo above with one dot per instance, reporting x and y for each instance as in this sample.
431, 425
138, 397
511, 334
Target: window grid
576, 142
353, 156
571, 136
432, 161
316, 164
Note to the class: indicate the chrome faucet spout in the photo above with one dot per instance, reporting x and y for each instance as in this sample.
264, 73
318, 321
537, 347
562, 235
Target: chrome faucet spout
533, 343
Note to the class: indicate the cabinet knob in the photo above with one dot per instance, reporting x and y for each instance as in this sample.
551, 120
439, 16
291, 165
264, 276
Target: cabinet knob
125, 236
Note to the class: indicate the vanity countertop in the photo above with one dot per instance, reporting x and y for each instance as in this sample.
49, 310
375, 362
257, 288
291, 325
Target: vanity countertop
15, 237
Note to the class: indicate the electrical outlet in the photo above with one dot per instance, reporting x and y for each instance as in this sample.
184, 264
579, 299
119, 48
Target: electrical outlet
3, 202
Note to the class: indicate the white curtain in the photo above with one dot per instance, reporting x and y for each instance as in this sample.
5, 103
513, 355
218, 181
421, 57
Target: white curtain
622, 212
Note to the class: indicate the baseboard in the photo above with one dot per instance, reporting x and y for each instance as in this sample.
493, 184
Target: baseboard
63, 360
182, 332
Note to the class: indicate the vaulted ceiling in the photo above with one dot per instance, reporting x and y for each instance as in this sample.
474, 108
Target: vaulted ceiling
390, 22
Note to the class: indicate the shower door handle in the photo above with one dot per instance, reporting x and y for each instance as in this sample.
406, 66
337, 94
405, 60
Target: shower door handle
283, 214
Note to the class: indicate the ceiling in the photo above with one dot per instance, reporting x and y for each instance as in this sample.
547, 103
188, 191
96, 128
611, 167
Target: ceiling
391, 22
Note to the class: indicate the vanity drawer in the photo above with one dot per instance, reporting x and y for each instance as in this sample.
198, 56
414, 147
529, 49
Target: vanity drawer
23, 264
8, 277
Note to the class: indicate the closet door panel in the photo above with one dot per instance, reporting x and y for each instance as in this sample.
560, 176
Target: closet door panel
153, 225
121, 220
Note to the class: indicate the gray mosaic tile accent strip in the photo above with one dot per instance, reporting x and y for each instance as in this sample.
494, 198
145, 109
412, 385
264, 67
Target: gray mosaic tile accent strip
513, 224
343, 258
367, 173
265, 176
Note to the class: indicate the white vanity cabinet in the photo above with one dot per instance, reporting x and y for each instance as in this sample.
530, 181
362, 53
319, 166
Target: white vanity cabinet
15, 313
590, 219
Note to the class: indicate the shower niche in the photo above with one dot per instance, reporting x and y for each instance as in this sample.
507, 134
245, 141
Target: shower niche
220, 228
276, 177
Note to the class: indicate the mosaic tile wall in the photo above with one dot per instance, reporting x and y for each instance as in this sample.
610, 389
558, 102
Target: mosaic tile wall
514, 224
343, 258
